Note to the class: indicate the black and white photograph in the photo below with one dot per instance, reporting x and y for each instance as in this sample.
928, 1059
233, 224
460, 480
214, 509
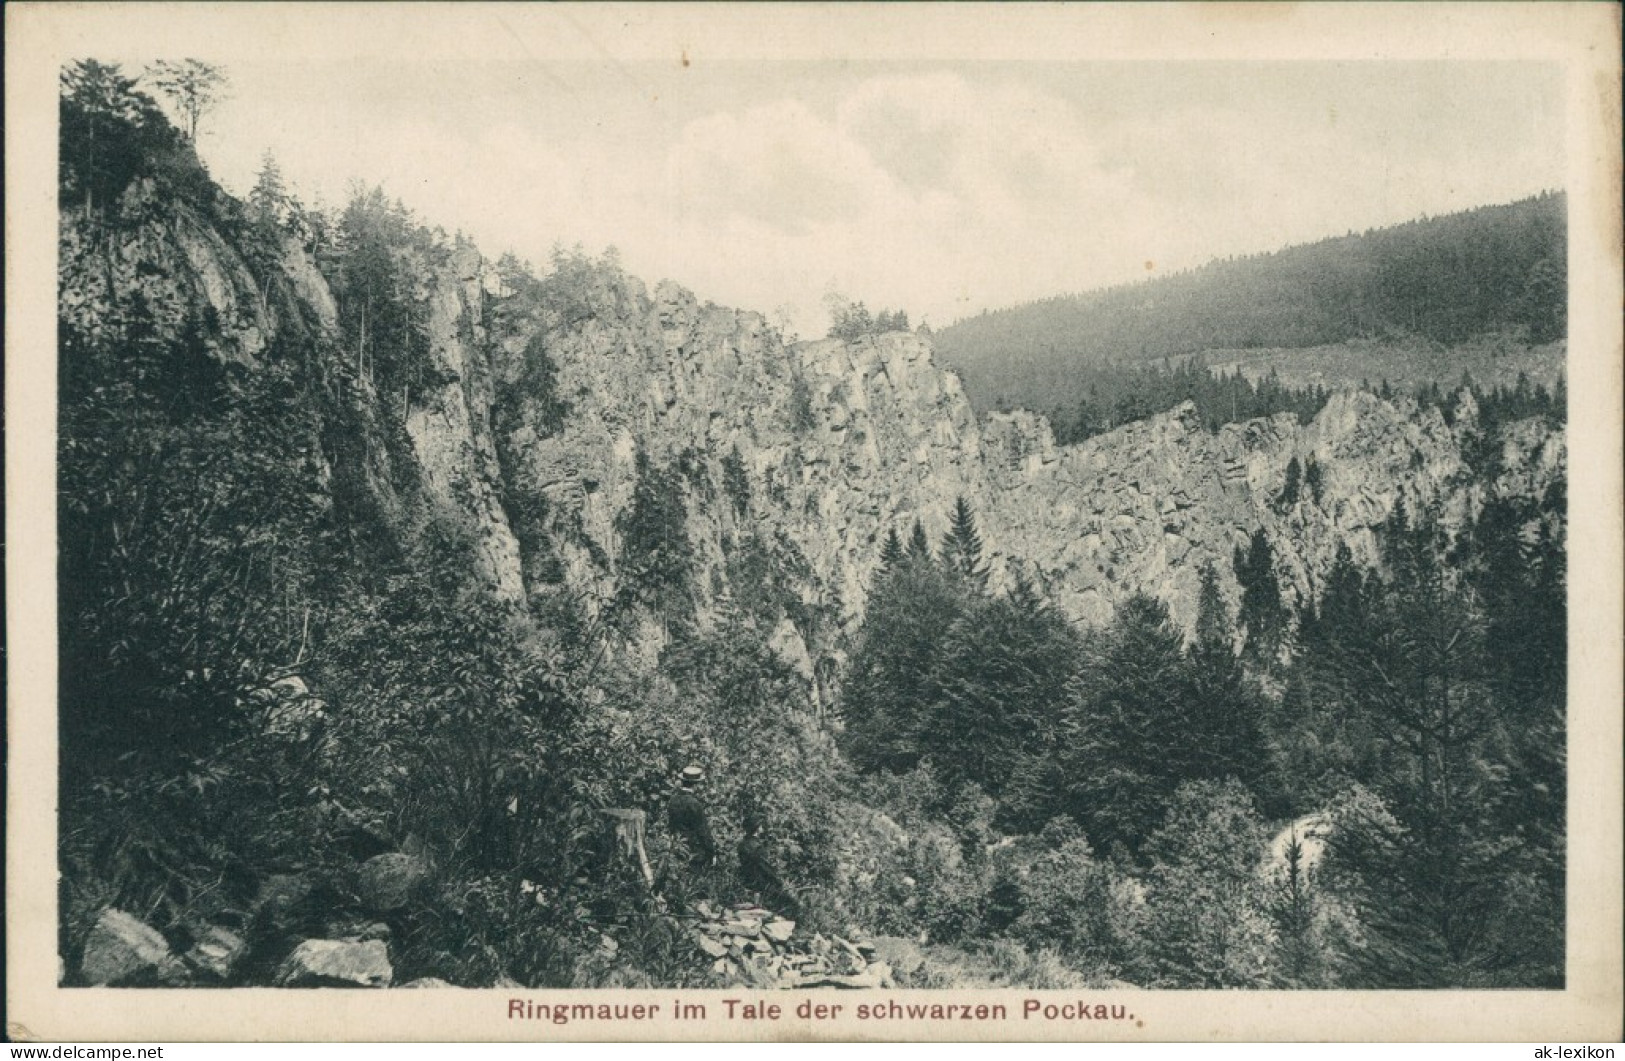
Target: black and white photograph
850, 526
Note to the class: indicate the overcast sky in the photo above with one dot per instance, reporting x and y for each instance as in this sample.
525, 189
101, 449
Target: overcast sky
944, 189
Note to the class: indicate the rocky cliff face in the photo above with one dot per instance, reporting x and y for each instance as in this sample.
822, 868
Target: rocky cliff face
840, 442
843, 442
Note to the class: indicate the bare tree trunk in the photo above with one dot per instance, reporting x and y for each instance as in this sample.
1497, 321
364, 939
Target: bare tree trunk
629, 830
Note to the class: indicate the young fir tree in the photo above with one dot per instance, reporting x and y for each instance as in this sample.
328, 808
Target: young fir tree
1303, 957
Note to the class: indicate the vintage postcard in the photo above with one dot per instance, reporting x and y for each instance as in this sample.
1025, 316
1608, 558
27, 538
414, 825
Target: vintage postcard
813, 522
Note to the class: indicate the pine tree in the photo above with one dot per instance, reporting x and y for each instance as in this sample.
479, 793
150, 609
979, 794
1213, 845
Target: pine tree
193, 86
962, 546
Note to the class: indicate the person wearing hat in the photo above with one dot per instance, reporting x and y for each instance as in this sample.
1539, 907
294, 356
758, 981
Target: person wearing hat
685, 815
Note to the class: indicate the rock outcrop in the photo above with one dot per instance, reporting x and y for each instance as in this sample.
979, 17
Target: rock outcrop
842, 442
838, 442
389, 882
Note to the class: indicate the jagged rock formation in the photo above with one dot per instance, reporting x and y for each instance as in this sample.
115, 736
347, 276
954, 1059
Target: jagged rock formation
883, 436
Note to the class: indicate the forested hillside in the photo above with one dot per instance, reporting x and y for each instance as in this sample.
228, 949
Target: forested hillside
397, 586
1444, 282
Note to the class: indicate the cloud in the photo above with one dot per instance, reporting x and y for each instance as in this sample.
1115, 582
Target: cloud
922, 191
940, 191
778, 164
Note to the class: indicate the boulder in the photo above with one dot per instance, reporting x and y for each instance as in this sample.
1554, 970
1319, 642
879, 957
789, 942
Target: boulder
337, 963
425, 982
217, 952
389, 882
779, 931
122, 949
358, 928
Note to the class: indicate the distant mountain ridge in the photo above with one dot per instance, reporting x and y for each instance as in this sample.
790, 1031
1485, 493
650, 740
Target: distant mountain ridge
1493, 270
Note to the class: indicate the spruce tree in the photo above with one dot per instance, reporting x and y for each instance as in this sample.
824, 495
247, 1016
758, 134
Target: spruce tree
736, 482
999, 690
1436, 857
1212, 620
890, 695
1262, 616
657, 558
1120, 726
269, 196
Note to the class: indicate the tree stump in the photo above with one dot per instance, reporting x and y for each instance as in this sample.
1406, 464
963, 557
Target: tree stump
629, 829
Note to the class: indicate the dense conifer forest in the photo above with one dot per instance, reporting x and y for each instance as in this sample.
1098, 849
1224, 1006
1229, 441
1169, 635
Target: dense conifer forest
1438, 282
